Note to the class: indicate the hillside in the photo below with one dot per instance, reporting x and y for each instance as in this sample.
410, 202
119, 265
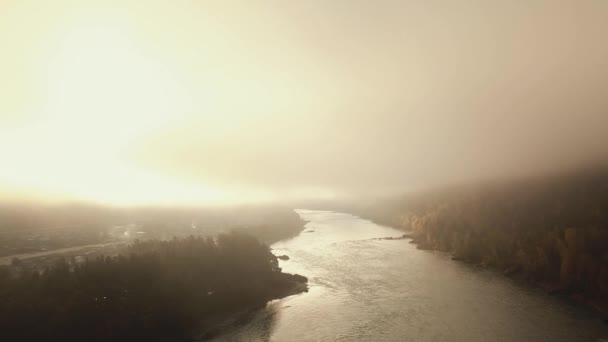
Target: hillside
552, 231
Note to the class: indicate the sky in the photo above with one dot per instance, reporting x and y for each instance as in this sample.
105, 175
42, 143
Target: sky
218, 102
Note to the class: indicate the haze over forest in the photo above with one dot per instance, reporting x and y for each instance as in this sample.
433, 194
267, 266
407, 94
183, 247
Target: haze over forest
206, 103
317, 170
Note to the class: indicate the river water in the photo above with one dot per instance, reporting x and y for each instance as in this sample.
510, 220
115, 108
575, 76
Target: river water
367, 289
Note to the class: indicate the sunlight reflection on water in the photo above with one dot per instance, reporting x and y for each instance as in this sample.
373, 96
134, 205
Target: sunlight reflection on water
363, 289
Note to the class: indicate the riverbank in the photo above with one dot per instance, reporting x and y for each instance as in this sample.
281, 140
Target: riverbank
217, 324
551, 232
429, 240
154, 291
555, 288
367, 288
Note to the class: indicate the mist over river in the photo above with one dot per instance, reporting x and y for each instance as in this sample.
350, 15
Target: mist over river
367, 289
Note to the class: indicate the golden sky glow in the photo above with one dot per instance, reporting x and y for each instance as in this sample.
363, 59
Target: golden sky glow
91, 83
136, 102
90, 91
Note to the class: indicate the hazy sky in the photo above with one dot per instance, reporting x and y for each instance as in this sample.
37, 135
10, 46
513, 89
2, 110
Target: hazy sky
203, 102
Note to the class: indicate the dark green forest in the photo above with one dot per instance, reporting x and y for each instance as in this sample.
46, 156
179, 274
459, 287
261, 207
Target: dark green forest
157, 290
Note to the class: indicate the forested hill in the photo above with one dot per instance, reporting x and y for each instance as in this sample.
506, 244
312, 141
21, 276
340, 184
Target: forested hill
157, 291
550, 230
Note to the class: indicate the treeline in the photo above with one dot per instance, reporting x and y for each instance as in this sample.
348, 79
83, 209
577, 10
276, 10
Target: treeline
158, 290
270, 225
267, 223
34, 227
551, 230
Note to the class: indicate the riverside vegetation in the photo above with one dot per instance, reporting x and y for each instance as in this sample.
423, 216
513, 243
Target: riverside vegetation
157, 290
552, 231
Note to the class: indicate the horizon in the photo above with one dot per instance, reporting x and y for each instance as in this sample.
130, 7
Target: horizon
218, 104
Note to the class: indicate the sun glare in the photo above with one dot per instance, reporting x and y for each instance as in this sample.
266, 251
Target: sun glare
103, 93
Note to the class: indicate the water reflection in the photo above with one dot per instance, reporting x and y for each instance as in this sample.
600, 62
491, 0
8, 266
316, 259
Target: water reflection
255, 326
364, 289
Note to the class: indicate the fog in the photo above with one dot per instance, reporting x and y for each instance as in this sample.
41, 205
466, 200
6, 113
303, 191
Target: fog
221, 102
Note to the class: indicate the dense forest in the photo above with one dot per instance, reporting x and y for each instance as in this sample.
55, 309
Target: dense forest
158, 290
551, 230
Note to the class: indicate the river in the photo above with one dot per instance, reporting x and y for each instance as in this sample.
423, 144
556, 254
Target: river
366, 289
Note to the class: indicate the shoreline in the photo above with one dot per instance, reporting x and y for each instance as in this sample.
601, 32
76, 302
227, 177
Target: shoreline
598, 307
218, 324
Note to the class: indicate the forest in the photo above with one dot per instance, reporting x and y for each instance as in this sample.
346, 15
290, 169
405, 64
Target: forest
157, 290
36, 227
551, 230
